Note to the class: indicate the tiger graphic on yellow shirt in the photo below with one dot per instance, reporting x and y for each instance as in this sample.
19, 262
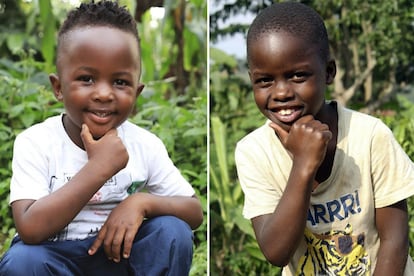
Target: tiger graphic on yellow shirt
336, 253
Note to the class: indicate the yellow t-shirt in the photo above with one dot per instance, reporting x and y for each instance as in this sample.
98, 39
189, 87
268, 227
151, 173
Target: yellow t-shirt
370, 170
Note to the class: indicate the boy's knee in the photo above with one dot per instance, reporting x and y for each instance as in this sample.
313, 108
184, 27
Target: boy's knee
167, 231
21, 259
173, 228
163, 244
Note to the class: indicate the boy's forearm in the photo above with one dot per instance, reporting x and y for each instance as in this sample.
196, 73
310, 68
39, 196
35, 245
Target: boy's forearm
392, 225
186, 208
39, 220
391, 259
288, 220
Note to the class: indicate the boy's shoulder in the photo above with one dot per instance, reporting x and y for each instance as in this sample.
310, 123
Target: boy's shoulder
352, 118
49, 126
42, 135
131, 130
351, 113
140, 141
259, 135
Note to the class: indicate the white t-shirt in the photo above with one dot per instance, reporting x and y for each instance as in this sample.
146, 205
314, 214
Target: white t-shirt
370, 170
45, 158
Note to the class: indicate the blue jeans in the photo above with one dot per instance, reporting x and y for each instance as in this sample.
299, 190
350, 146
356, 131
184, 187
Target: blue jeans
162, 246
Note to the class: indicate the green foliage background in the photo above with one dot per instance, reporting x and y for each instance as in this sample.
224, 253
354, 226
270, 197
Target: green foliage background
179, 118
27, 46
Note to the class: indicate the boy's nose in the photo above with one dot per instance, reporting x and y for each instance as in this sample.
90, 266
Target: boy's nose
281, 91
103, 92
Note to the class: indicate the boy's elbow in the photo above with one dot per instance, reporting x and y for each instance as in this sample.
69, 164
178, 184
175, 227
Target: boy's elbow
277, 262
198, 221
30, 234
275, 258
198, 218
30, 237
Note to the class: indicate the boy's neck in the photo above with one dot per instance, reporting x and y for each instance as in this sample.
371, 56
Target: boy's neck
329, 116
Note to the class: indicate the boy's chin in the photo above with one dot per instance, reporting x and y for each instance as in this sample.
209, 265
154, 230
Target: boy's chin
98, 133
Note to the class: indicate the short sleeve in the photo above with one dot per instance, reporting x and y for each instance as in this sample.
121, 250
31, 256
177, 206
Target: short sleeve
164, 177
30, 170
261, 192
392, 169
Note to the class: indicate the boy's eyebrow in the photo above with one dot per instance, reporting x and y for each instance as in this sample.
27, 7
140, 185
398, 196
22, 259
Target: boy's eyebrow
95, 71
121, 73
86, 68
299, 66
258, 73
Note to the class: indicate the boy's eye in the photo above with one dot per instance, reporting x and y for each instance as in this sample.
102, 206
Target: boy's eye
299, 76
87, 79
263, 81
119, 82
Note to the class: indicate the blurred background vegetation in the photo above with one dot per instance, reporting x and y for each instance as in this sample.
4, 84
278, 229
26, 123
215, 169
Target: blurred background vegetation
173, 104
372, 41
373, 44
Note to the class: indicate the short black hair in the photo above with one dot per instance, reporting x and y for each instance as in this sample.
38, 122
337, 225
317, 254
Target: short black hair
293, 18
103, 13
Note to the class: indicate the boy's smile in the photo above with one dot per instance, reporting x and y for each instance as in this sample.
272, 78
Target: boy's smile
98, 79
289, 78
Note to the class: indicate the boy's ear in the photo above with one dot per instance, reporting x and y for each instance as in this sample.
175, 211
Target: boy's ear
330, 71
56, 86
250, 75
139, 89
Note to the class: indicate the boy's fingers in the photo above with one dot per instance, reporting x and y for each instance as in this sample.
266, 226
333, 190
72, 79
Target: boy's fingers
128, 241
116, 245
327, 135
86, 135
98, 242
112, 132
280, 132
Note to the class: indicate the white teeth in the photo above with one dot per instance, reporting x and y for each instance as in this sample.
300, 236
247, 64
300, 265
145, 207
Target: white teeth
285, 112
101, 114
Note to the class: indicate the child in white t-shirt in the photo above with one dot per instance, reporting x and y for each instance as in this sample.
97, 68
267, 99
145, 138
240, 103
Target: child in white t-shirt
77, 178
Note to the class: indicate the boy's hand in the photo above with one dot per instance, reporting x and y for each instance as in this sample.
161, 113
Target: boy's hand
109, 151
307, 141
118, 232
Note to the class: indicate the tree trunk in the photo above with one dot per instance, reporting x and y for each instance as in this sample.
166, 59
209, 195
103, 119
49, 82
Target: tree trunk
144, 5
180, 73
367, 28
342, 94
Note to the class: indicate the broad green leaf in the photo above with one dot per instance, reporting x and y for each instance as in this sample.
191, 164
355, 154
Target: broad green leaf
15, 42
